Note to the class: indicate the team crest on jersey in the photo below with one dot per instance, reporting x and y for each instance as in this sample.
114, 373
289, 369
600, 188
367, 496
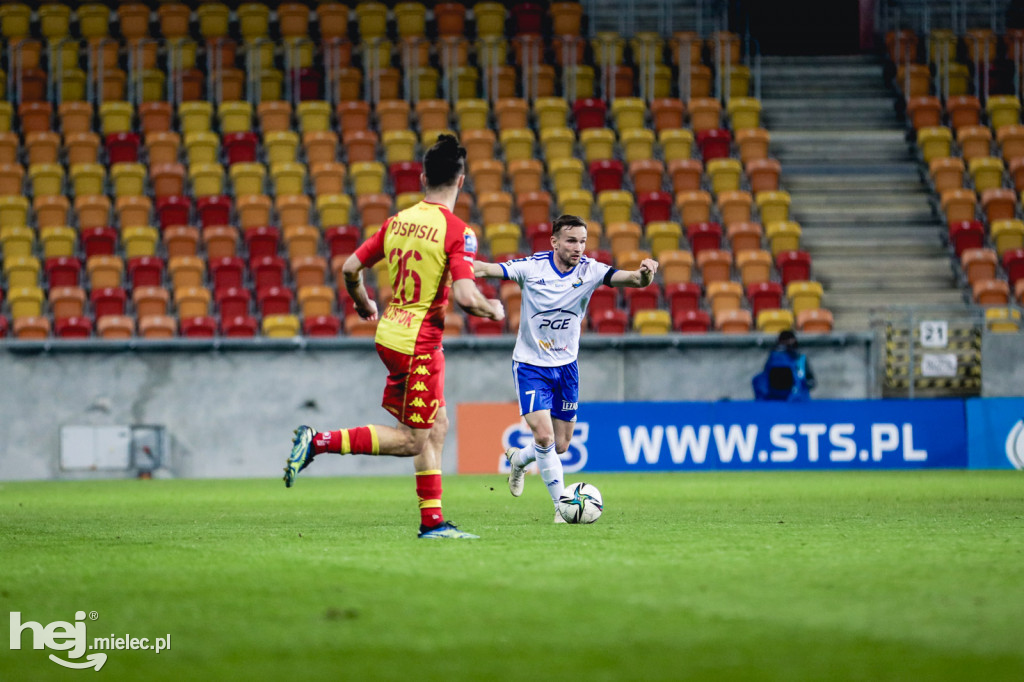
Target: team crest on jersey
578, 283
470, 238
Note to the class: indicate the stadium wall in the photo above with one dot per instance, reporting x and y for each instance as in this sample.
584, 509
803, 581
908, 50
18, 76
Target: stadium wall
229, 409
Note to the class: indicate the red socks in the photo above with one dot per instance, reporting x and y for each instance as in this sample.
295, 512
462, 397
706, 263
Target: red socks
428, 489
361, 440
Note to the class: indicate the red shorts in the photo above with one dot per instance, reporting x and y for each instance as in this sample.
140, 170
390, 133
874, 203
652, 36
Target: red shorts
415, 388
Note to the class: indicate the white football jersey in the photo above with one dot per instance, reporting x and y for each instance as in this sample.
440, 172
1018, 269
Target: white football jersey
554, 305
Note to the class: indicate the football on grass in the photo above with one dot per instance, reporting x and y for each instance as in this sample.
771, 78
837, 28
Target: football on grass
580, 503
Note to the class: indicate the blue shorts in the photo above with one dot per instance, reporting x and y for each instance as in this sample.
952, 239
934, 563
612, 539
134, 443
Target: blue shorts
548, 388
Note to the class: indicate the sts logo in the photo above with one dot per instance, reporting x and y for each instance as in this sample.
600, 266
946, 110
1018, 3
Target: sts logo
519, 436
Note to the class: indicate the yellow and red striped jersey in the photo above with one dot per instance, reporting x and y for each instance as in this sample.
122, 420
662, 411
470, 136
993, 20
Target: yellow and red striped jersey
423, 245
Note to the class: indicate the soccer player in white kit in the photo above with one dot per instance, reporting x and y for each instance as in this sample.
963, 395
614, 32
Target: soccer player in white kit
556, 287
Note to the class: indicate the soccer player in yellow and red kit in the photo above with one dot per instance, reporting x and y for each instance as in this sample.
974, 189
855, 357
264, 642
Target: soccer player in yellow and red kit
424, 245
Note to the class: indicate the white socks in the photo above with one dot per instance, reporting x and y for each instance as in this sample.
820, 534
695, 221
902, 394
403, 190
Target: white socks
549, 463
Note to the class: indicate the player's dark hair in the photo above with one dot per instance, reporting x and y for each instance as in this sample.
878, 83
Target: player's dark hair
566, 220
444, 162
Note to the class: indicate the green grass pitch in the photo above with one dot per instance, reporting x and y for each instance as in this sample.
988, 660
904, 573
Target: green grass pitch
741, 576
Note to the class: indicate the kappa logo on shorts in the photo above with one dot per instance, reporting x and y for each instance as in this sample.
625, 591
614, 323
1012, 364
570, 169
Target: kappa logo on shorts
421, 370
423, 357
416, 418
417, 402
419, 386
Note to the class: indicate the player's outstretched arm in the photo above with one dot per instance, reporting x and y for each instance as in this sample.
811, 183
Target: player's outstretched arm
482, 269
636, 278
473, 302
352, 271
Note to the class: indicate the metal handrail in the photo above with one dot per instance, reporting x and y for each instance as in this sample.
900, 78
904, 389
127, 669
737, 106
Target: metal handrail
450, 67
254, 70
332, 69
176, 71
15, 63
490, 61
94, 83
372, 68
55, 79
293, 68
569, 66
411, 68
215, 67
531, 50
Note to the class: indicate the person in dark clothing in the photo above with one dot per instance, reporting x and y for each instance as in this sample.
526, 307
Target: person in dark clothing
787, 375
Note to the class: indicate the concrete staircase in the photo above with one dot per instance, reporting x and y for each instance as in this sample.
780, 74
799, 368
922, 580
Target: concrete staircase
855, 186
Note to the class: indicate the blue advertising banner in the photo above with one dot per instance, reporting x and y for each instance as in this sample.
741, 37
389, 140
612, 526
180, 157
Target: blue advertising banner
995, 433
876, 434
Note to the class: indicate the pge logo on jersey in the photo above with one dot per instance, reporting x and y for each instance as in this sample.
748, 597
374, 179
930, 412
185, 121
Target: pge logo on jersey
519, 436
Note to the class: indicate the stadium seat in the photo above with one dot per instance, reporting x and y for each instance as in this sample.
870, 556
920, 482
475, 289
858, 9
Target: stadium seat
107, 301
57, 240
637, 144
158, 327
598, 143
986, 172
974, 141
1003, 110
733, 321
734, 206
214, 210
947, 172
715, 265
652, 322
558, 144
647, 175
934, 142
1013, 264
630, 260
66, 302
991, 292
705, 114
754, 266
783, 235
616, 206
958, 205
655, 207
753, 144
638, 299
686, 174
577, 202
764, 295
694, 207
724, 174
1007, 235
328, 178
998, 204
479, 144
609, 321
775, 321
804, 295
924, 111
334, 209
534, 207
814, 321
691, 322
963, 110
181, 240
663, 236
676, 266
793, 266
150, 300
703, 236
676, 143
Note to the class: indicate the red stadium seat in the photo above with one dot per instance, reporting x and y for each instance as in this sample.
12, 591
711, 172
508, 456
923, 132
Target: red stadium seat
3, 326
793, 266
73, 327
199, 327
346, 302
214, 210
682, 296
173, 210
638, 299
603, 298
704, 236
321, 325
714, 144
108, 301
606, 174
691, 322
232, 301
227, 272
589, 113
267, 271
146, 271
240, 147
405, 176
612, 321
655, 206
342, 239
63, 271
966, 234
600, 255
262, 241
99, 241
274, 300
538, 236
1013, 263
527, 17
122, 147
239, 326
764, 296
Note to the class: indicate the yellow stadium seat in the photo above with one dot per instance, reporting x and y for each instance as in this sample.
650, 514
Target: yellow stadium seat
934, 142
578, 202
744, 112
58, 240
616, 206
550, 112
517, 143
248, 178
139, 241
472, 113
195, 117
772, 206
663, 236
1007, 235
804, 295
314, 115
17, 241
281, 146
783, 235
367, 177
25, 302
629, 113
637, 144
202, 147
566, 173
235, 117
399, 145
502, 237
598, 143
207, 179
986, 172
289, 178
13, 211
652, 322
1003, 110
725, 174
21, 271
129, 179
334, 209
558, 143
47, 179
88, 178
773, 321
676, 143
116, 117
